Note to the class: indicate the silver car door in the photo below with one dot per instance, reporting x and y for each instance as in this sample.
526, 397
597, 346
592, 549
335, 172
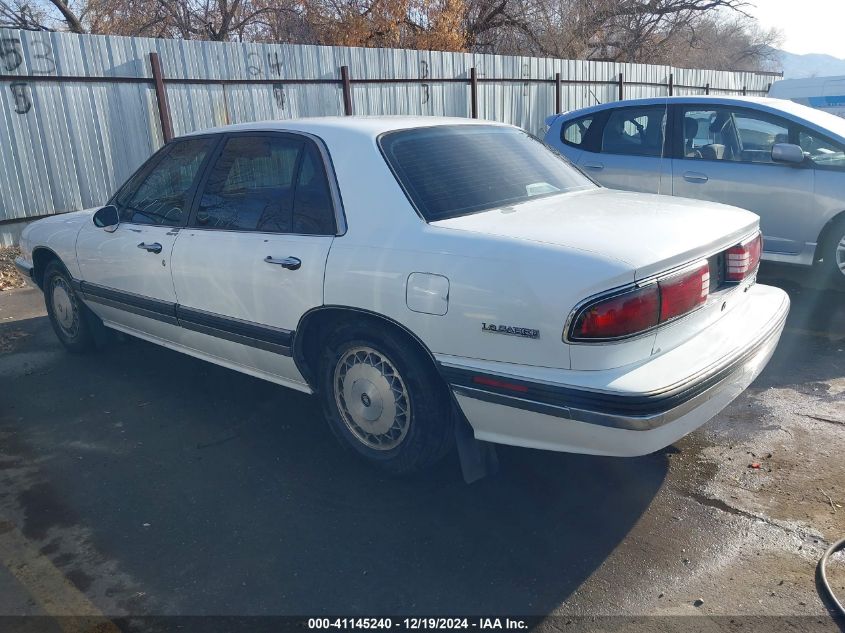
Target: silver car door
727, 157
630, 153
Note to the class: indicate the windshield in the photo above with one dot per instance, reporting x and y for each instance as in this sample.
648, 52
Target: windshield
825, 120
453, 170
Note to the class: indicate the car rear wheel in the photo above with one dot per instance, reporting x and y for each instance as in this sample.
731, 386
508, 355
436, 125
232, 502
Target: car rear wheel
384, 401
833, 254
68, 315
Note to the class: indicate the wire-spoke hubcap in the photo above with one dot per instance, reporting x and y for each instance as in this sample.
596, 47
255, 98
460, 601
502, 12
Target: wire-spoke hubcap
372, 398
840, 255
64, 307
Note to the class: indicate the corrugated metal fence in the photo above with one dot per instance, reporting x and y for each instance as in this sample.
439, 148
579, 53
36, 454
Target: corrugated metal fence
80, 112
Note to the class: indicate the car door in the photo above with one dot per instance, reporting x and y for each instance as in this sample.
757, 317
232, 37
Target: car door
625, 150
126, 274
725, 155
827, 159
252, 259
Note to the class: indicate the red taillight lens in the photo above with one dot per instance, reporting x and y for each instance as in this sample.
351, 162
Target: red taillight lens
743, 259
682, 293
621, 315
643, 308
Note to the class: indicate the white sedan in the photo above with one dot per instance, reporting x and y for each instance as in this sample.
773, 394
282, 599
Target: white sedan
417, 274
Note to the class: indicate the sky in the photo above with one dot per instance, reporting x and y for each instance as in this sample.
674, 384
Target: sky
808, 26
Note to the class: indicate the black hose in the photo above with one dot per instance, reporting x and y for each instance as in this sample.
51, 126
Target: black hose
838, 545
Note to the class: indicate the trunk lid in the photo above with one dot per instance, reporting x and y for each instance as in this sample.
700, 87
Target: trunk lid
650, 233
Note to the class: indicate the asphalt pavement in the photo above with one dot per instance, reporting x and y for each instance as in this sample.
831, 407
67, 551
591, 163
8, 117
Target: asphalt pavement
140, 481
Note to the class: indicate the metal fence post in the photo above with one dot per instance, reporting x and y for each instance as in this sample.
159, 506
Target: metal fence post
671, 83
161, 98
347, 90
621, 87
558, 104
473, 92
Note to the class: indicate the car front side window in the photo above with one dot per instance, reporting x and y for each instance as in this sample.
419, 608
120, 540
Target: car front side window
161, 196
758, 133
740, 135
708, 134
821, 151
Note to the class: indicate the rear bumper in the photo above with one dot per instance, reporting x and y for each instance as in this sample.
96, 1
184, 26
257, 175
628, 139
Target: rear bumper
559, 416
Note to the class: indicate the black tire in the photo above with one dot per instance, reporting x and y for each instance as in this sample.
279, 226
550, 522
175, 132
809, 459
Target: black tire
348, 369
68, 315
832, 266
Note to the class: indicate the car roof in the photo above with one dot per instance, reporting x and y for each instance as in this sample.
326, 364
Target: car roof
819, 119
371, 126
713, 99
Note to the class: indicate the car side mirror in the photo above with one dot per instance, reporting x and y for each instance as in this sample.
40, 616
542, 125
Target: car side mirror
107, 218
787, 153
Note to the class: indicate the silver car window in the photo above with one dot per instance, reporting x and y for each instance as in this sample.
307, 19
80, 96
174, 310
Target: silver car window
635, 131
822, 151
738, 135
575, 131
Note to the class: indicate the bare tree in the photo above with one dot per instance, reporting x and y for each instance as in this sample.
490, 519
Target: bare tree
19, 14
711, 33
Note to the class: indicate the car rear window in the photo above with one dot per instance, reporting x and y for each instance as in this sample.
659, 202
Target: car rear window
454, 170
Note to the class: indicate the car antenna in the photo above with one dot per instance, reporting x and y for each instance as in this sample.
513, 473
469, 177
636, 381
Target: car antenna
663, 148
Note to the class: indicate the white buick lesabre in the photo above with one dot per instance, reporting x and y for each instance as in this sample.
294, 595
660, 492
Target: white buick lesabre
416, 273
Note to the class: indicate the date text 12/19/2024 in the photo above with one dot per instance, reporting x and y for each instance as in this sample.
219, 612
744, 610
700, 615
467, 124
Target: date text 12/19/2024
418, 623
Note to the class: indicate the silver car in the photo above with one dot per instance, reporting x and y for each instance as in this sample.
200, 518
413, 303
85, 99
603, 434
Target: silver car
781, 160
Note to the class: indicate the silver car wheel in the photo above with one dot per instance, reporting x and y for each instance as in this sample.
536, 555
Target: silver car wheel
372, 398
65, 308
840, 255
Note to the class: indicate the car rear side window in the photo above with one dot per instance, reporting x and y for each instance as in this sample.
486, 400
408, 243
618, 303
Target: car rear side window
575, 132
268, 183
161, 196
635, 131
454, 170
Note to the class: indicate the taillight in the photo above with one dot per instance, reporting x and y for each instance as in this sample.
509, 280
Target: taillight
743, 259
619, 316
683, 293
641, 309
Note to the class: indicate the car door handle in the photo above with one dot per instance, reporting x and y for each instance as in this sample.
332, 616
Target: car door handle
155, 247
291, 263
594, 166
694, 176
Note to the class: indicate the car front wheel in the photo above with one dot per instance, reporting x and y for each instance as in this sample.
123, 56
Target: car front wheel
68, 315
383, 399
833, 254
